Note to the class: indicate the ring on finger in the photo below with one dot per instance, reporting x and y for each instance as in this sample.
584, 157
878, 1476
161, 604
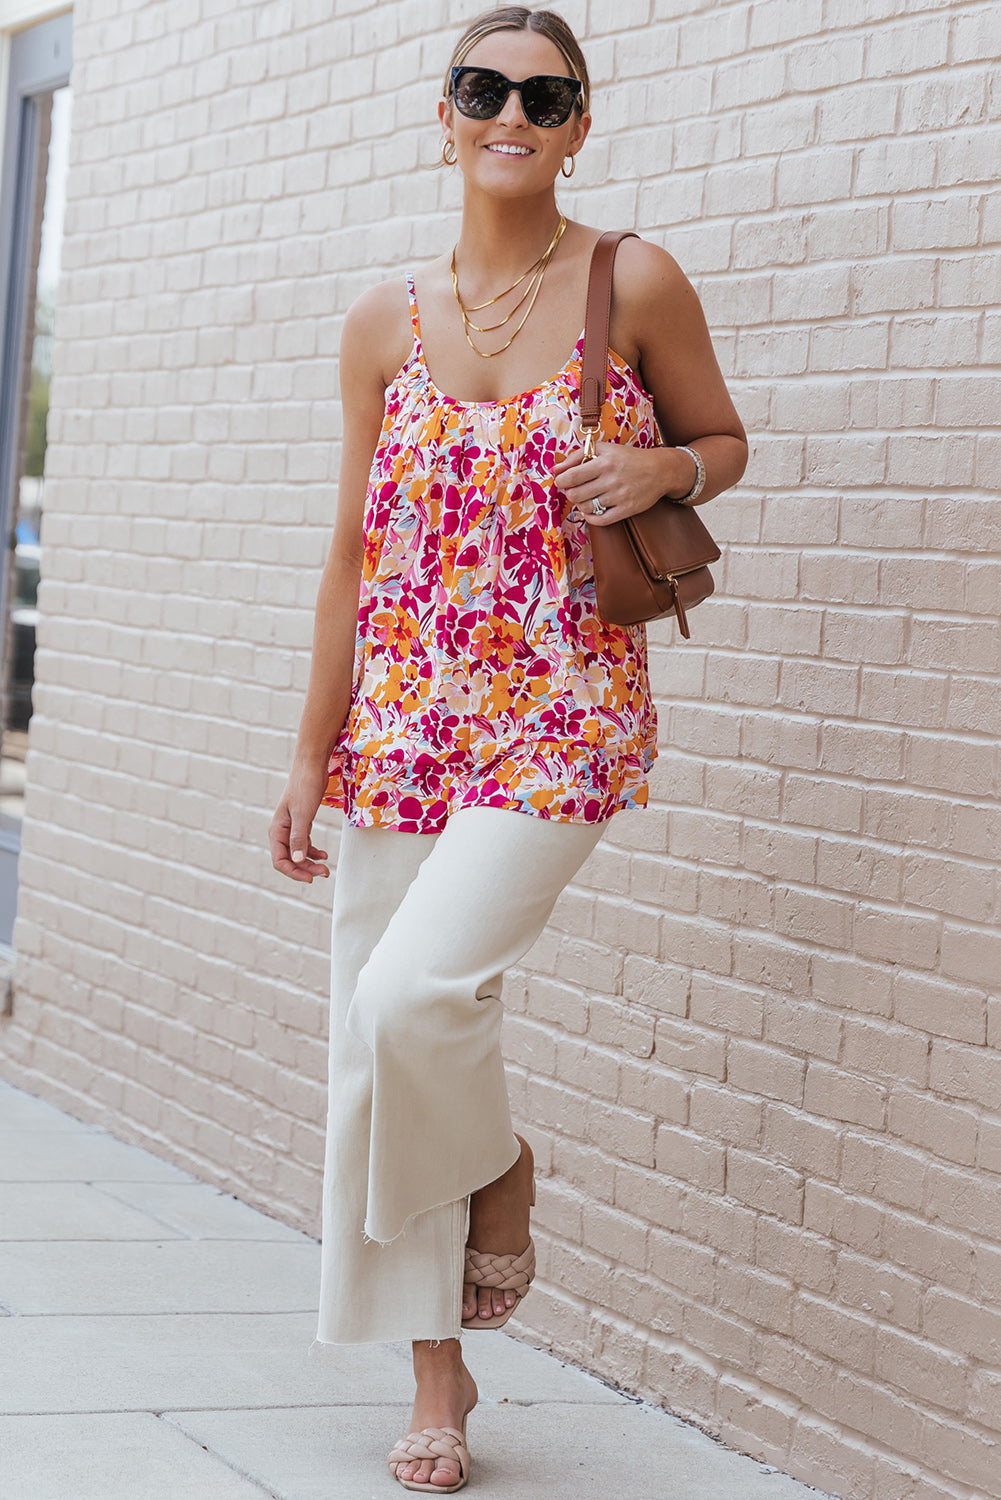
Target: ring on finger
597, 509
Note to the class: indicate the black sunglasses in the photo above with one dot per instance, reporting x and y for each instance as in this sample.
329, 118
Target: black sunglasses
548, 100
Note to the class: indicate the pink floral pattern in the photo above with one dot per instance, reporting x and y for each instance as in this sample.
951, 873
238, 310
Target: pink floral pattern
483, 674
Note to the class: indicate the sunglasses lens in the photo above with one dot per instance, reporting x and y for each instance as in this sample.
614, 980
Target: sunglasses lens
480, 93
548, 101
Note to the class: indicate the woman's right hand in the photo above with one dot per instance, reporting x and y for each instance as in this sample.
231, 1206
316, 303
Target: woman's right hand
292, 850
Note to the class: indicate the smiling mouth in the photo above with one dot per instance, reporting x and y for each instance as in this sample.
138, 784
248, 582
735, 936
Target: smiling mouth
502, 150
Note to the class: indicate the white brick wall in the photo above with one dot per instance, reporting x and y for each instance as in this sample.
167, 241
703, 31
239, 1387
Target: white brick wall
759, 1048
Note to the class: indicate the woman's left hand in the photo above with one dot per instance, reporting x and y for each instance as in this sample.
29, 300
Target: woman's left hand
623, 479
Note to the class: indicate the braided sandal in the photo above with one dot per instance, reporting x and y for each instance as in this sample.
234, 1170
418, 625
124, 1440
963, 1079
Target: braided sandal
501, 1273
432, 1442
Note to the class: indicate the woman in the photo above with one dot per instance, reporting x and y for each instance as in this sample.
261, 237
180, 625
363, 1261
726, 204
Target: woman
475, 719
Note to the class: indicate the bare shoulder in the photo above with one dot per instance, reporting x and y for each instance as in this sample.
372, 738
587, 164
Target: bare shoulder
648, 277
654, 305
376, 335
652, 298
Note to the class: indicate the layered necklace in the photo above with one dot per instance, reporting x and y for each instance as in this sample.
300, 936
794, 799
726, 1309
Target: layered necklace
533, 276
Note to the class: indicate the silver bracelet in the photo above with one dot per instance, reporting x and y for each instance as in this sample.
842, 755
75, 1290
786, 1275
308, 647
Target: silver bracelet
700, 476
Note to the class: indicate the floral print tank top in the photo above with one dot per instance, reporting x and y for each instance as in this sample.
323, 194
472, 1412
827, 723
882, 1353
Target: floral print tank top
483, 673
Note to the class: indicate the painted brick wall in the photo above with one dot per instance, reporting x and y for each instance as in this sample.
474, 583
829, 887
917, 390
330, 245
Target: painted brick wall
759, 1049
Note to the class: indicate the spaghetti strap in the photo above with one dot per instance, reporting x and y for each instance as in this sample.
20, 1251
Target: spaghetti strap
414, 315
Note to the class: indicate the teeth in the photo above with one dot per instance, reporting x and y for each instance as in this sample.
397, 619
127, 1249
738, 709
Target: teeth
512, 150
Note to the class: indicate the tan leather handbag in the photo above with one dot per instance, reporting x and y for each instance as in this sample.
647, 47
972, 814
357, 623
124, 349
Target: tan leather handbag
655, 563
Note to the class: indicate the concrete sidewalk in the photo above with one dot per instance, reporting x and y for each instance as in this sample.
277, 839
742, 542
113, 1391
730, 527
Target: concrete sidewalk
153, 1346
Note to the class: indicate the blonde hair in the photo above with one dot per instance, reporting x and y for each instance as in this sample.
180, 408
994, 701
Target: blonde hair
519, 18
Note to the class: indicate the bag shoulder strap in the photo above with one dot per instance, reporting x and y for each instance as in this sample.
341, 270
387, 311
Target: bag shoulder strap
594, 365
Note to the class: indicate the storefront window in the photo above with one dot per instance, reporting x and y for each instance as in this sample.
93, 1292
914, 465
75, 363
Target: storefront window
35, 154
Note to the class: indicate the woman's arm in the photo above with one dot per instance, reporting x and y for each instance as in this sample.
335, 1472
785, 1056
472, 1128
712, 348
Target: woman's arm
658, 326
369, 341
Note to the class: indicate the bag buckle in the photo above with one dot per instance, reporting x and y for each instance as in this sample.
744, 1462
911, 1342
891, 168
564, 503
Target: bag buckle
590, 438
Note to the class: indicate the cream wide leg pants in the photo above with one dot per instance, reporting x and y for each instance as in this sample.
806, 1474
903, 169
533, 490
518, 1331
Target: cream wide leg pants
423, 927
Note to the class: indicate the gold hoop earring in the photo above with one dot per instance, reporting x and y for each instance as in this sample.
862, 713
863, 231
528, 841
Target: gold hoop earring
448, 160
573, 165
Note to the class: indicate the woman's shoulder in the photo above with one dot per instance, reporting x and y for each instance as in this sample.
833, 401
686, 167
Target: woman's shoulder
638, 262
385, 300
649, 293
646, 272
377, 327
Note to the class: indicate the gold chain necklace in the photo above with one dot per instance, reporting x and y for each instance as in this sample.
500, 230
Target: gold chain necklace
479, 306
534, 274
